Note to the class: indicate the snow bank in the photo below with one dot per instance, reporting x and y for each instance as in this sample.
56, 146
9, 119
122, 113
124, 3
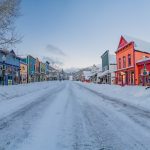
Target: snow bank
135, 95
15, 97
10, 92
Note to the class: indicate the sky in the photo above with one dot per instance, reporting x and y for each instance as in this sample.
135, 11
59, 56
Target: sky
75, 33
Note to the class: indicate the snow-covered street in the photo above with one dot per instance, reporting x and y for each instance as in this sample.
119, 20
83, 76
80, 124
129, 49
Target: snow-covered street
71, 116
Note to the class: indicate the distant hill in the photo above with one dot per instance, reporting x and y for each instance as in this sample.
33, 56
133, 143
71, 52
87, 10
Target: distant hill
74, 70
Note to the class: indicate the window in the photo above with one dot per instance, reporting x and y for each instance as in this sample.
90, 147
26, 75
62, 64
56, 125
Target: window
129, 60
9, 77
124, 62
119, 63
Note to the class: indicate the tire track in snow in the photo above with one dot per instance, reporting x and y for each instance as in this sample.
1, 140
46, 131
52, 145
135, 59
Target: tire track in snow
17, 126
134, 113
78, 131
137, 114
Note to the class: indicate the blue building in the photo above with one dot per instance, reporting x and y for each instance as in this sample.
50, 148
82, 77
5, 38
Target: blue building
31, 61
9, 68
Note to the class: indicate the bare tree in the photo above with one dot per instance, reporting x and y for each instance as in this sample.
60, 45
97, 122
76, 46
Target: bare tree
9, 11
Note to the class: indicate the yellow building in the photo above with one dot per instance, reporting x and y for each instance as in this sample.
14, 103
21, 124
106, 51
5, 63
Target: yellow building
23, 72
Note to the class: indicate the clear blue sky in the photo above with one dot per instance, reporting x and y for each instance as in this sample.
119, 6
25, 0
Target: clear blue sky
81, 29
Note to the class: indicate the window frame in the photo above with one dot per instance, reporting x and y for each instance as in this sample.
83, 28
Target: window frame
124, 61
129, 60
119, 65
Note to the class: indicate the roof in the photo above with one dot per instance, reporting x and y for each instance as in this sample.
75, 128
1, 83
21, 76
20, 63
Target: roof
138, 44
51, 68
22, 62
7, 52
143, 60
105, 53
99, 74
87, 74
104, 73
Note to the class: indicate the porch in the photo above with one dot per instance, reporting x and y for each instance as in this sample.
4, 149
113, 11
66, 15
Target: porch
125, 77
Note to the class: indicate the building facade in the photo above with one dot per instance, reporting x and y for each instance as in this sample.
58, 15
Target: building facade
53, 73
31, 68
86, 76
107, 76
47, 70
42, 71
9, 68
144, 71
37, 70
94, 73
130, 51
23, 72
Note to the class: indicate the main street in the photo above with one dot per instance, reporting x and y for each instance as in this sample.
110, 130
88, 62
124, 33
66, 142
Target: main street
69, 116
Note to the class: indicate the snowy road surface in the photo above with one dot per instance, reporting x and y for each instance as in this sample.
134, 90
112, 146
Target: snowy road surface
70, 116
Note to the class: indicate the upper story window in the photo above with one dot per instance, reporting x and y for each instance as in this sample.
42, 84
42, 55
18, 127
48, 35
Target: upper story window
129, 60
119, 63
124, 62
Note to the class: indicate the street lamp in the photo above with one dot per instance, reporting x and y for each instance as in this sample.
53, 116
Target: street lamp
3, 70
144, 74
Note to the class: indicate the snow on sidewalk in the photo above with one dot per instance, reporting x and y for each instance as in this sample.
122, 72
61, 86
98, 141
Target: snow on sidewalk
19, 96
135, 95
13, 91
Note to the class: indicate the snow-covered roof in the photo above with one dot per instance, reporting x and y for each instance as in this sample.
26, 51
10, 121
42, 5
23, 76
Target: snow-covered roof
139, 44
143, 60
87, 74
99, 74
112, 59
105, 73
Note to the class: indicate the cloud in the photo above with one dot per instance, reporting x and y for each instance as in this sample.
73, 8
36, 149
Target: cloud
55, 50
53, 61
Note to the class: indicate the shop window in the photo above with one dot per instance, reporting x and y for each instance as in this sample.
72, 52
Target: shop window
129, 60
124, 62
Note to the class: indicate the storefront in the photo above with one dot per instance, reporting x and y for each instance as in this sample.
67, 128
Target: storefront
42, 71
9, 68
37, 70
144, 72
125, 77
30, 61
23, 72
108, 68
130, 51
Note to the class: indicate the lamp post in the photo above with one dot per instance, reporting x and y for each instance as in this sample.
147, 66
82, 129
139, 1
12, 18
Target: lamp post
3, 69
144, 74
